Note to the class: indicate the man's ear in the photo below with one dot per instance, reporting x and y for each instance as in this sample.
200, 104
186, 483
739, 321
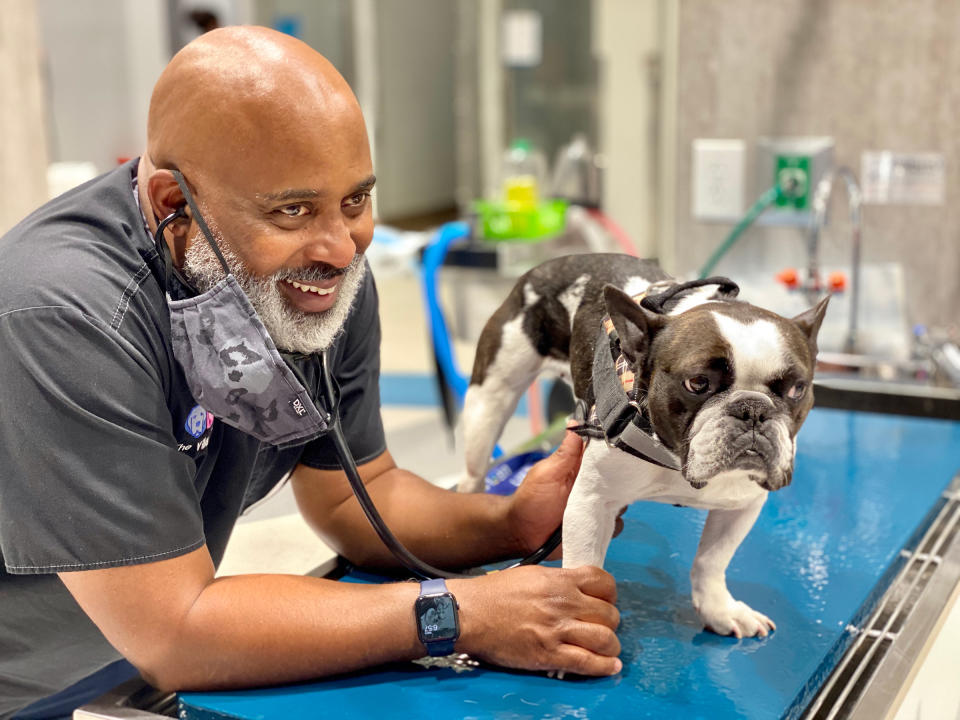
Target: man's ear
164, 194
810, 320
635, 325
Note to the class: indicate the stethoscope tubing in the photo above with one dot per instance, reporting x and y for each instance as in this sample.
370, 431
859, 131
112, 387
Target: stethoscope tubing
414, 564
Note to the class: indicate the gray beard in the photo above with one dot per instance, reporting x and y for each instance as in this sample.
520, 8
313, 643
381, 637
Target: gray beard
291, 329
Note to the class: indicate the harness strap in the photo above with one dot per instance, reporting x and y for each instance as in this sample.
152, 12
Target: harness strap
621, 418
612, 403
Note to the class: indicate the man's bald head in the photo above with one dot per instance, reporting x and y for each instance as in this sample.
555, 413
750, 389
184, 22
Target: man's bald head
274, 150
238, 94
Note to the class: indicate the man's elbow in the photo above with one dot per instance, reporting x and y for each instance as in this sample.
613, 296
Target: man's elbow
163, 667
173, 659
158, 678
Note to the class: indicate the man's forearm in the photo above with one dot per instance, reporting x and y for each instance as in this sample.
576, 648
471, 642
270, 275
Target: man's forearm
252, 630
442, 527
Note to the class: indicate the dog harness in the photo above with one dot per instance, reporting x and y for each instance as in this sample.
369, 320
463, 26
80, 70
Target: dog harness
620, 415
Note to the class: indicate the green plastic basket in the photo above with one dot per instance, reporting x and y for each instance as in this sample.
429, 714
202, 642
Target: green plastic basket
499, 221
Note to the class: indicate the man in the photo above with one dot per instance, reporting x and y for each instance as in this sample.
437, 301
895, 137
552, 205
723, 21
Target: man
118, 490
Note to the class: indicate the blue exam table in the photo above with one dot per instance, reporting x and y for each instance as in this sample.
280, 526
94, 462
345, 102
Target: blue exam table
816, 562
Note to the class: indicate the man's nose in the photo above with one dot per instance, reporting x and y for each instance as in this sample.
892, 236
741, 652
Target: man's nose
331, 243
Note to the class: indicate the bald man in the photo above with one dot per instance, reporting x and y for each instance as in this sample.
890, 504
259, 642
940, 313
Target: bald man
118, 490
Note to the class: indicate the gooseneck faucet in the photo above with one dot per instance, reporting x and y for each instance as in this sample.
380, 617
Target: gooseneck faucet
821, 200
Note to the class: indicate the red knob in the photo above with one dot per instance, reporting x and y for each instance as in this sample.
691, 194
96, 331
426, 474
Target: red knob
789, 277
837, 281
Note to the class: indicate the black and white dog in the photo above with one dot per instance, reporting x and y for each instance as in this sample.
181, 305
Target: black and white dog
708, 390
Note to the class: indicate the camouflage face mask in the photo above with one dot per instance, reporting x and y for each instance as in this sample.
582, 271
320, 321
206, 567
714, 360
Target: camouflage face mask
231, 364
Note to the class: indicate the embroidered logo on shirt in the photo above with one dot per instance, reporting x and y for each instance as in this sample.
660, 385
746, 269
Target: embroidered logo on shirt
198, 421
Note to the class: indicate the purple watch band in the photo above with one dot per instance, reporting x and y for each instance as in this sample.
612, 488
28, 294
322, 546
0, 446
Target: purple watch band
436, 647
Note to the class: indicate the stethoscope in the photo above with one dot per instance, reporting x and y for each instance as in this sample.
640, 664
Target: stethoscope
414, 564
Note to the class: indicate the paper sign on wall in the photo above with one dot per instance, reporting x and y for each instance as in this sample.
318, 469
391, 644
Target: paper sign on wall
891, 178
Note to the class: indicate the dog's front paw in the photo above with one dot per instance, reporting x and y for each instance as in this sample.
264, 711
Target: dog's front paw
727, 616
471, 483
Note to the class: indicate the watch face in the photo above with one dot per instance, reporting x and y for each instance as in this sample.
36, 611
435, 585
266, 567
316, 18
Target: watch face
437, 618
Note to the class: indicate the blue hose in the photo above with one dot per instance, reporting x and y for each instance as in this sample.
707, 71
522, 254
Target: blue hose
433, 256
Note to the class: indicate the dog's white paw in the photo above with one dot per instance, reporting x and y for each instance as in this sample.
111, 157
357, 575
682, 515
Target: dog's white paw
726, 616
471, 483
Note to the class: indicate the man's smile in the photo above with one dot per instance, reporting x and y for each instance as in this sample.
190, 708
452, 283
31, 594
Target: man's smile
311, 288
311, 298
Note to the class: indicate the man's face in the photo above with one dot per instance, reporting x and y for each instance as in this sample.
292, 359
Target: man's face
293, 218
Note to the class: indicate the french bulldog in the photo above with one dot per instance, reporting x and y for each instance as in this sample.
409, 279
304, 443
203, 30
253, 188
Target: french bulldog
714, 388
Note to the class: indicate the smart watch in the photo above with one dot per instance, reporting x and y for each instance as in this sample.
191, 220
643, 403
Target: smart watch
435, 611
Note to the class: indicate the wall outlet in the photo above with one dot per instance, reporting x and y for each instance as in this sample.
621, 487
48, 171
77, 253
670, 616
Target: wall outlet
718, 179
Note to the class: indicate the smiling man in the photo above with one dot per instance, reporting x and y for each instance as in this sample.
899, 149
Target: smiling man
118, 489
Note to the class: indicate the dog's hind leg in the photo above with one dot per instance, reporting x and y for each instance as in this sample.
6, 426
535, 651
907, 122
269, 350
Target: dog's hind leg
495, 390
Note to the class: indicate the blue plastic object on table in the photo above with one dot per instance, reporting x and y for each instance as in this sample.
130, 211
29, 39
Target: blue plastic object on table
505, 476
820, 553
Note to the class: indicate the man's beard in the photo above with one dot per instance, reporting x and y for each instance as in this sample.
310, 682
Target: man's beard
291, 329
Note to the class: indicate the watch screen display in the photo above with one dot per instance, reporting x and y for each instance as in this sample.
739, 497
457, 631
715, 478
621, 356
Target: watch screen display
438, 621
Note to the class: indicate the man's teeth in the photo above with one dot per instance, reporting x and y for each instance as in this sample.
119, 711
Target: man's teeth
311, 288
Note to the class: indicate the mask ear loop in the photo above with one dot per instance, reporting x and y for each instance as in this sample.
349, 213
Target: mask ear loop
204, 228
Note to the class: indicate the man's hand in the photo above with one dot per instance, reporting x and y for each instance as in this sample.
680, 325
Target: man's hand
538, 504
541, 618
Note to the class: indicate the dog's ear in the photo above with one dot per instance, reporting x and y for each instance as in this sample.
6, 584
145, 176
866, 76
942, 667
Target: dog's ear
635, 325
810, 320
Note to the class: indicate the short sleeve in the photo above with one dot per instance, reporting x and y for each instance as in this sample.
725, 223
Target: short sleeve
357, 371
91, 476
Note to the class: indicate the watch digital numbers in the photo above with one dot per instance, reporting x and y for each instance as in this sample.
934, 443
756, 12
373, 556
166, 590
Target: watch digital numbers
437, 620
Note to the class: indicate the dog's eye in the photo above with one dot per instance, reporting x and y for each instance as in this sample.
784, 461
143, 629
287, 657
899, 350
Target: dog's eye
698, 384
796, 392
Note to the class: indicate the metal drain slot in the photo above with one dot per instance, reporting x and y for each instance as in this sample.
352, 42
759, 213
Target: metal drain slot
852, 677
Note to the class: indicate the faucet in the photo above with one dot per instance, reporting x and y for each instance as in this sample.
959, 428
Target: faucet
821, 199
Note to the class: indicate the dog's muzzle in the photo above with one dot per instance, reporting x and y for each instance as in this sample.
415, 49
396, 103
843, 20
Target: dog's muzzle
745, 433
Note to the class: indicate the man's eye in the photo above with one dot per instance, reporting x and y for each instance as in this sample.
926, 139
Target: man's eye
293, 211
357, 200
698, 384
797, 390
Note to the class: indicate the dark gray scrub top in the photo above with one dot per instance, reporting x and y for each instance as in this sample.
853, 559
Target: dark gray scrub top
105, 458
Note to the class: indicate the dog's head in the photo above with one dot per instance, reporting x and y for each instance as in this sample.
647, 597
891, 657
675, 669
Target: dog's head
727, 384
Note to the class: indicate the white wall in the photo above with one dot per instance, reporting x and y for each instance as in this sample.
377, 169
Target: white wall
627, 44
415, 139
23, 142
102, 59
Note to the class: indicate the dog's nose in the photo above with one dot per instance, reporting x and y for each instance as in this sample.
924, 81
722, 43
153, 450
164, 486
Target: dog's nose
751, 410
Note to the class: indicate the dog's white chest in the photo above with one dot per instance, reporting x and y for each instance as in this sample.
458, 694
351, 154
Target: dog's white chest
622, 478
